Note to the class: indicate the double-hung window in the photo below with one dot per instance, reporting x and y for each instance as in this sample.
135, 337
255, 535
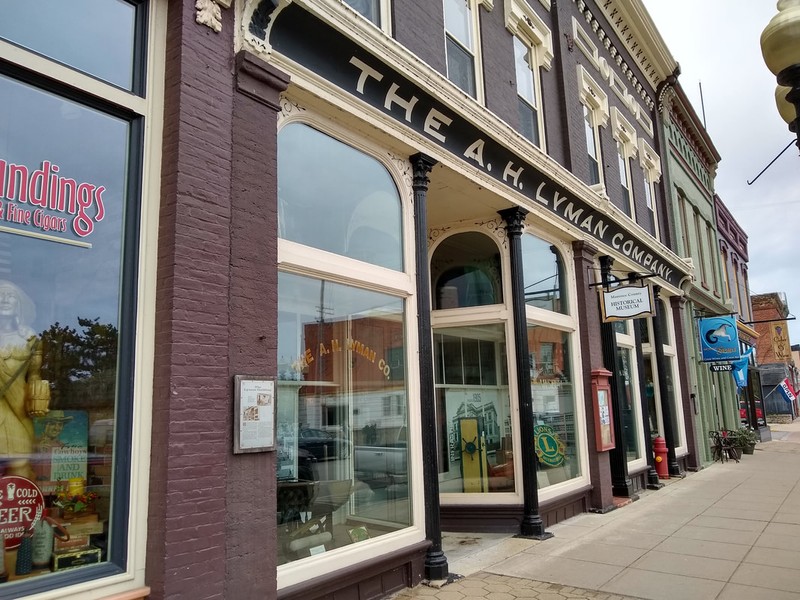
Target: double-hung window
625, 136
595, 115
533, 49
376, 11
461, 44
527, 92
651, 166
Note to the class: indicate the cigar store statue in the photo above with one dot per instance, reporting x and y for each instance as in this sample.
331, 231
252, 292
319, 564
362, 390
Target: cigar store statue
23, 393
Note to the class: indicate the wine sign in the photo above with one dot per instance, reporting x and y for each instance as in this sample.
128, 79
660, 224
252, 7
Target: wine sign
21, 506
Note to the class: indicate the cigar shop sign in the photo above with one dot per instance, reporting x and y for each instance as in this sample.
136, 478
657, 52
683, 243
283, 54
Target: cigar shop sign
307, 40
21, 507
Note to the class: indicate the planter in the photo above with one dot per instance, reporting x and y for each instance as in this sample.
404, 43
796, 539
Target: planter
737, 452
749, 449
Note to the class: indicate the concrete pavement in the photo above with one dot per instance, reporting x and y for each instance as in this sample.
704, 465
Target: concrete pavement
730, 531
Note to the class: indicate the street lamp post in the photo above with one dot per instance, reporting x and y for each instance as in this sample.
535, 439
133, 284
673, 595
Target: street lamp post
780, 46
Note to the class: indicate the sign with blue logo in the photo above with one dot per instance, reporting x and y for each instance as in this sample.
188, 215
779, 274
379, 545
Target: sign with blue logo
719, 339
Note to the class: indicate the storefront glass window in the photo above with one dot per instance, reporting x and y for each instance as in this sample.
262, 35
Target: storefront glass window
473, 410
101, 45
333, 197
342, 419
553, 405
629, 405
67, 301
543, 275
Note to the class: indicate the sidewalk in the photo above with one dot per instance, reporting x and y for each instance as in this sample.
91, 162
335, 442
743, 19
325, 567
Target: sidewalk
730, 531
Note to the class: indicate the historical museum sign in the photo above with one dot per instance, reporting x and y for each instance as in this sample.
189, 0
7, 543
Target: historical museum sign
627, 302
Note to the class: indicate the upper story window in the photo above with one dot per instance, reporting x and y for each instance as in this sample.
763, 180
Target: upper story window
625, 136
107, 48
592, 146
527, 92
595, 115
625, 182
376, 11
651, 165
353, 211
461, 44
533, 48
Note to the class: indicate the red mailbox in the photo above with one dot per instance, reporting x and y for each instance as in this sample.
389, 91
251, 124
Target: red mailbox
603, 415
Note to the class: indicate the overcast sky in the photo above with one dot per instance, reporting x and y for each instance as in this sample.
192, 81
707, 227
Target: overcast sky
717, 45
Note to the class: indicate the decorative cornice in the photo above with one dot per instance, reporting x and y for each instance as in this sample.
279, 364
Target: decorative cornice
636, 31
209, 13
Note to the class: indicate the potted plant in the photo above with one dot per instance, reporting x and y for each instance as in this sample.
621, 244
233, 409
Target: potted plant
746, 439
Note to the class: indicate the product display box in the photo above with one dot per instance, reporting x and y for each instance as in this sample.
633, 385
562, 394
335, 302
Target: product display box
76, 558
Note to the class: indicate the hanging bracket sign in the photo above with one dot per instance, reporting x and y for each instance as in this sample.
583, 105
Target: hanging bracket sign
626, 302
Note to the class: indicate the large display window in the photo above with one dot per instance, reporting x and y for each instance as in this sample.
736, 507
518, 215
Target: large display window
69, 211
342, 422
557, 421
343, 436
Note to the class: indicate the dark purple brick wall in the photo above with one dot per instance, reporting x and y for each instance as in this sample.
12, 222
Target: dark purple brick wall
212, 518
602, 497
419, 26
500, 80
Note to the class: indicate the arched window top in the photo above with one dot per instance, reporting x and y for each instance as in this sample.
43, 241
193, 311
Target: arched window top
334, 197
543, 275
465, 271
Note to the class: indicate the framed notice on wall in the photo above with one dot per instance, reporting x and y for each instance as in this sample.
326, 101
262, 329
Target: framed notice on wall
254, 414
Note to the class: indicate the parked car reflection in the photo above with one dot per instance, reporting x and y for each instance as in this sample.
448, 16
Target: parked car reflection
322, 444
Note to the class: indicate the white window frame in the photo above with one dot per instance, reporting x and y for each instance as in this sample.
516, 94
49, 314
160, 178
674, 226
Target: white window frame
150, 108
671, 358
532, 85
384, 14
651, 165
567, 323
596, 103
530, 30
475, 43
627, 149
299, 259
627, 341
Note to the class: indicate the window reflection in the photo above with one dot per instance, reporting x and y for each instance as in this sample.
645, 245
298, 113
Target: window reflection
342, 417
465, 271
62, 279
628, 405
51, 27
349, 206
543, 275
473, 410
553, 396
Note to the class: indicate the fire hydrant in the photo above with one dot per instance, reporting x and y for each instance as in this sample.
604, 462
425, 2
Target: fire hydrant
660, 450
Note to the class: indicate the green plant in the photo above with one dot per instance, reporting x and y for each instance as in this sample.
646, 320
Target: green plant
744, 436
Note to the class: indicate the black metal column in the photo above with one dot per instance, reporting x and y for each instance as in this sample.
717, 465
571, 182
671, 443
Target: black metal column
661, 366
532, 525
436, 567
621, 484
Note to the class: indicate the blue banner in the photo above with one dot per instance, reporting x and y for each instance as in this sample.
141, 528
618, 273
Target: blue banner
719, 339
740, 369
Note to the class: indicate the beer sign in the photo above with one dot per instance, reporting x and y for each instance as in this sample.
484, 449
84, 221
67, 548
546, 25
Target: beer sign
21, 507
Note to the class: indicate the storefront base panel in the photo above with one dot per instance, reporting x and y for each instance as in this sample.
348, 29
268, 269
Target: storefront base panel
638, 480
491, 518
365, 580
565, 507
